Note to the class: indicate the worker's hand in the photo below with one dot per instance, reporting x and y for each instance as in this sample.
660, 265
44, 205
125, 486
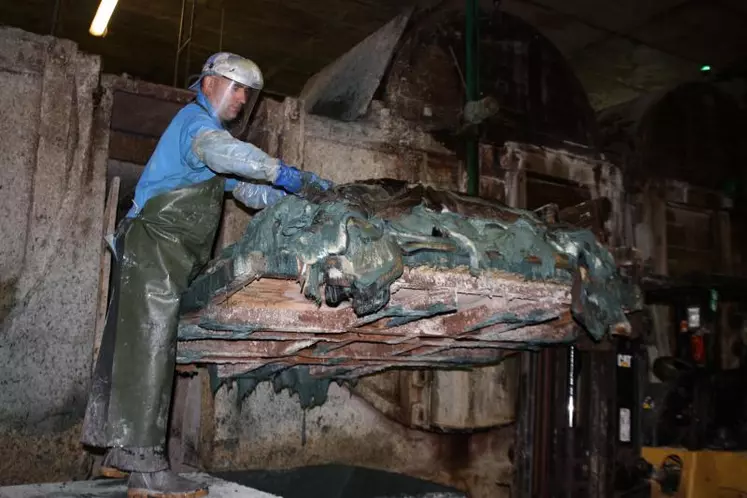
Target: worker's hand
256, 195
293, 180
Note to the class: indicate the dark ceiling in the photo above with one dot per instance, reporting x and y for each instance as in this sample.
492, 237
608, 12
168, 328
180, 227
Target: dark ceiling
289, 39
619, 49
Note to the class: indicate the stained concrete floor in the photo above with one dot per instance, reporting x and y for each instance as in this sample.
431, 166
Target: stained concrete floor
339, 481
323, 481
117, 488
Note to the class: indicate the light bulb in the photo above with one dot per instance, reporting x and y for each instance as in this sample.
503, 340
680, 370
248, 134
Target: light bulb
101, 19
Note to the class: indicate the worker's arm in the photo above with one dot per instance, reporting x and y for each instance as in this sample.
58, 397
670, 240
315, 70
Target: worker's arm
255, 195
225, 154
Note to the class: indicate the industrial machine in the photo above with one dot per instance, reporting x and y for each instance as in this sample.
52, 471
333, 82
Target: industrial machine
694, 409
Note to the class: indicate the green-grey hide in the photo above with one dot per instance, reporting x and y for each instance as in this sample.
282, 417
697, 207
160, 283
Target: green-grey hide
352, 243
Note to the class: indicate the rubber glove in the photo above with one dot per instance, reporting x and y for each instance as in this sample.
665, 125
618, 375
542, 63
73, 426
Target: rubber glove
226, 155
257, 196
294, 180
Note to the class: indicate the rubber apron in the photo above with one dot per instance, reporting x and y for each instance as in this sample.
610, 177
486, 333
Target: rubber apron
158, 253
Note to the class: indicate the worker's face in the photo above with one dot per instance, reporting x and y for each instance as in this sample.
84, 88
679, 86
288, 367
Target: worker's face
227, 97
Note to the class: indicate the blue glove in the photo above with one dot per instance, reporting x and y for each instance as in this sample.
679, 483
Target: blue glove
293, 180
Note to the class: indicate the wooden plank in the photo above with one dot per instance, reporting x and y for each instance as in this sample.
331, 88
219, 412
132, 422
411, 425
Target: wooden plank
488, 283
270, 322
141, 114
228, 352
166, 93
110, 215
590, 214
552, 163
541, 191
683, 262
278, 305
272, 294
131, 148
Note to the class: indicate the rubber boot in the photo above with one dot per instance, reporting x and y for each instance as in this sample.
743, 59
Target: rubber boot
109, 469
163, 484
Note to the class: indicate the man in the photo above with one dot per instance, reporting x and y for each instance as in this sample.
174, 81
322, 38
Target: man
164, 240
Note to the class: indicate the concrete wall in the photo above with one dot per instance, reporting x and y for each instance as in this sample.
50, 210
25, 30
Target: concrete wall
272, 431
52, 183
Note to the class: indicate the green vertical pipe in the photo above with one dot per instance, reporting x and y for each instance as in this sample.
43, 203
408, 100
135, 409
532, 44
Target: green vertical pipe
472, 78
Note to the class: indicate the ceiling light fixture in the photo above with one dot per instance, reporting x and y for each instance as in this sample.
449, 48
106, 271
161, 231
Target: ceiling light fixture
101, 19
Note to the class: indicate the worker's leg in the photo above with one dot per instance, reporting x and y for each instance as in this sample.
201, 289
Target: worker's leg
130, 393
155, 272
161, 250
95, 432
156, 267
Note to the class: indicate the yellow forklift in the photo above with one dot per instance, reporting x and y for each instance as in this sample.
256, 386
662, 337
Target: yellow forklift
693, 413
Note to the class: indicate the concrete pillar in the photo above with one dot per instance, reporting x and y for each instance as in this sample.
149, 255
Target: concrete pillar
52, 186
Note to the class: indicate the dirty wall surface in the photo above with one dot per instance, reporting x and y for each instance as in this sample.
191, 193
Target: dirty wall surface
52, 176
348, 430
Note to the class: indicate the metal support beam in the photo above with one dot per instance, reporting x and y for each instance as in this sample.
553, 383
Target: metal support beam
182, 44
472, 80
55, 17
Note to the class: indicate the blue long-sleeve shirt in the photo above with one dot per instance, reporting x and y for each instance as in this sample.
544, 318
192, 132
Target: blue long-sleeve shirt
176, 162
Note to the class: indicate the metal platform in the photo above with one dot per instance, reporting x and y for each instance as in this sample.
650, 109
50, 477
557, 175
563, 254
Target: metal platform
117, 488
